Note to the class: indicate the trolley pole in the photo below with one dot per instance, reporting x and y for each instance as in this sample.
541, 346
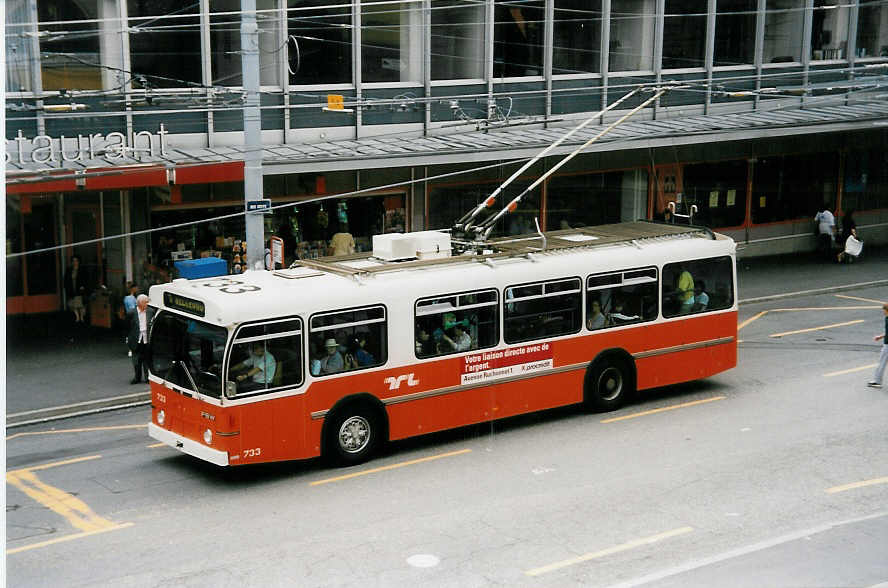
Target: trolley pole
252, 134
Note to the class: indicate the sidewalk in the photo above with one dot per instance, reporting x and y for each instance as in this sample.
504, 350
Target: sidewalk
54, 369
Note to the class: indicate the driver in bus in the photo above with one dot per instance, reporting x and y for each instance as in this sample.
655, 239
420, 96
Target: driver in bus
260, 367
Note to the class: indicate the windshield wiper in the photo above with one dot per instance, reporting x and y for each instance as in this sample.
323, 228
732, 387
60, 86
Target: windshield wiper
185, 369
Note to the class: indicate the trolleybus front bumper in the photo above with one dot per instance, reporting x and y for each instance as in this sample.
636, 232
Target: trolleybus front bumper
188, 446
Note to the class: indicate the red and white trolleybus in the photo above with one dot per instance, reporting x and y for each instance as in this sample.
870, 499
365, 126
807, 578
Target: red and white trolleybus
336, 356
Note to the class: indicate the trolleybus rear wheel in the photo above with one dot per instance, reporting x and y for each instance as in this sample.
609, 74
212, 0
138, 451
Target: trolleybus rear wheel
609, 382
353, 435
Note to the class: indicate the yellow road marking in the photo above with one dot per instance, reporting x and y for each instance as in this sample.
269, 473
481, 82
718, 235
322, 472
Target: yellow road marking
609, 551
154, 446
879, 302
851, 370
72, 509
749, 320
845, 324
854, 485
66, 538
664, 409
86, 430
824, 308
389, 467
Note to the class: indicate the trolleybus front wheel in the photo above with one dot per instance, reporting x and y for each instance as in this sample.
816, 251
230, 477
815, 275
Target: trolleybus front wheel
610, 381
353, 435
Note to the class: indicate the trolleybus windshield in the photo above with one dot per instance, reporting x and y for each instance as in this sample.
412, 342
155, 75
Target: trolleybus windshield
188, 353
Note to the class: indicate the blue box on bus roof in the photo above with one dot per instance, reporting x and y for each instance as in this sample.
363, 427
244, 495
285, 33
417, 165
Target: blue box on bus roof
205, 267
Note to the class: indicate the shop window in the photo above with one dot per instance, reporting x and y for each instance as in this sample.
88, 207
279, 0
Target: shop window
829, 29
448, 203
718, 190
866, 180
456, 323
71, 58
793, 187
684, 34
265, 357
347, 340
320, 43
164, 44
577, 37
14, 244
621, 298
735, 32
542, 310
225, 42
784, 22
391, 41
632, 36
872, 32
591, 199
696, 286
457, 42
518, 38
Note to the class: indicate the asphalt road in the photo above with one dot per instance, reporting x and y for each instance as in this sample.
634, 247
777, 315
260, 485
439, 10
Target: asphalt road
772, 474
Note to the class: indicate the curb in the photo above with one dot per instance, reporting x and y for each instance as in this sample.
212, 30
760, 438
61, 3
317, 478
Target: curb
44, 415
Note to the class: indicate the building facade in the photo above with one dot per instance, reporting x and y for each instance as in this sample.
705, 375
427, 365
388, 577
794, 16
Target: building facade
124, 116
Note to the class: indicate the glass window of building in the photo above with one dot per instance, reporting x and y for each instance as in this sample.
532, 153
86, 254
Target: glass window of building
577, 37
735, 32
164, 43
320, 43
829, 29
719, 191
594, 199
684, 34
391, 41
70, 58
225, 42
866, 180
793, 186
448, 203
784, 22
632, 35
518, 38
872, 29
19, 46
457, 42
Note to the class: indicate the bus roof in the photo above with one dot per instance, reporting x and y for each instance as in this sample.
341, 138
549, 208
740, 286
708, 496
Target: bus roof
348, 281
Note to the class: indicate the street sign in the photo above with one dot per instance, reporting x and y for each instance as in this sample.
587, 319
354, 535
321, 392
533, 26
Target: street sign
259, 206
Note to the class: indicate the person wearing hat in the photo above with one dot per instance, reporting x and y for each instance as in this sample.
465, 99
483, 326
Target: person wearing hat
332, 362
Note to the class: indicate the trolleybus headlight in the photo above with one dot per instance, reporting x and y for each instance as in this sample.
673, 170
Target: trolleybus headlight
208, 437
161, 416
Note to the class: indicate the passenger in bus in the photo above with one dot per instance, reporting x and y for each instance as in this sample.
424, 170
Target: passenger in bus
684, 288
425, 345
458, 340
596, 319
333, 362
260, 367
619, 316
357, 350
701, 298
314, 359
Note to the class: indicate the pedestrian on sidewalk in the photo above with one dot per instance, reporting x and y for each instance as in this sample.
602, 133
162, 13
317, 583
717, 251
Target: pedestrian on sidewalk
883, 355
137, 337
826, 231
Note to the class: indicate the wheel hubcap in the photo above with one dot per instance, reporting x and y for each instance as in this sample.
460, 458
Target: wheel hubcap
354, 434
610, 384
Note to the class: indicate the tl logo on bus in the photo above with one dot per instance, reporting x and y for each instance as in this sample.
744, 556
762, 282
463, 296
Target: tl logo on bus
395, 383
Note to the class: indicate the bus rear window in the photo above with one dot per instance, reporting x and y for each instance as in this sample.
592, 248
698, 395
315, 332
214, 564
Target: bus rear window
699, 285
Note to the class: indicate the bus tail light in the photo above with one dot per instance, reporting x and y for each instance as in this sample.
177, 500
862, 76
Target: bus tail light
208, 437
161, 416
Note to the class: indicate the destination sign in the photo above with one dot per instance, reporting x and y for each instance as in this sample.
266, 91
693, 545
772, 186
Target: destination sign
189, 305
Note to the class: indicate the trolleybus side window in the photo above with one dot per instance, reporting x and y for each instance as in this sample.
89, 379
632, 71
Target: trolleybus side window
347, 340
188, 352
699, 285
265, 356
542, 309
620, 298
456, 323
